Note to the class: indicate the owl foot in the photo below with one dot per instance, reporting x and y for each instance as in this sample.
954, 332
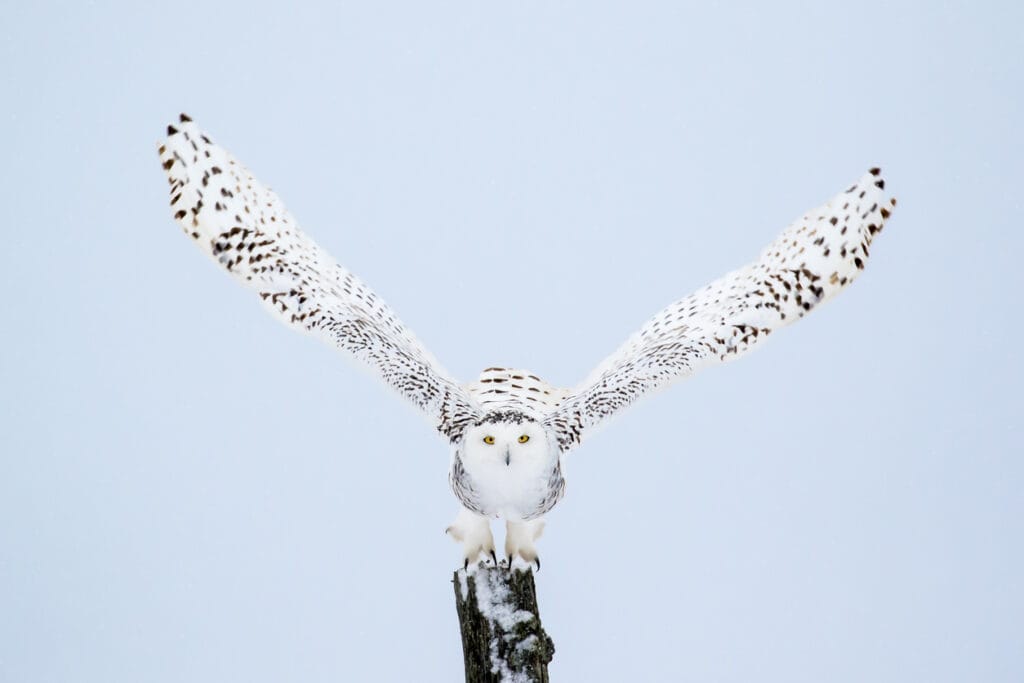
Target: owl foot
473, 531
519, 541
510, 561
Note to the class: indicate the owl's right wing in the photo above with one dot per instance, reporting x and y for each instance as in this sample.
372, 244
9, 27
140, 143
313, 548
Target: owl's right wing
810, 262
245, 228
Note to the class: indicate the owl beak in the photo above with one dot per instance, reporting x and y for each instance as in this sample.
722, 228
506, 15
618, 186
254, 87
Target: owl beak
508, 457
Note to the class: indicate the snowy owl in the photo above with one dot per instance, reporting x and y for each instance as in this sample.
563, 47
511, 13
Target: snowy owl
509, 430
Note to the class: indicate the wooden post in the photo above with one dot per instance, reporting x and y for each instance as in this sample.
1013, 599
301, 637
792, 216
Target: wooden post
502, 637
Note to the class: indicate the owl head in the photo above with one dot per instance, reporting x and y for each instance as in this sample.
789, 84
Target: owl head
509, 439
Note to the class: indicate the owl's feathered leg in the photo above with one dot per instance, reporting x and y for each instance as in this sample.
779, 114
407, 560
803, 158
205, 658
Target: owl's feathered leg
520, 538
473, 531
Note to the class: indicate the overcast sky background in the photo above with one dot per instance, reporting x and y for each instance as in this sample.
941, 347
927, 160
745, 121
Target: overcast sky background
189, 491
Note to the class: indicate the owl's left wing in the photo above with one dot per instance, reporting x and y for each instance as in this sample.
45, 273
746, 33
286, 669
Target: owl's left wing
809, 263
246, 229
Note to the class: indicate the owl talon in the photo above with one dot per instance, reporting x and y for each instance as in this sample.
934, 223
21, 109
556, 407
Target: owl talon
520, 540
494, 558
474, 533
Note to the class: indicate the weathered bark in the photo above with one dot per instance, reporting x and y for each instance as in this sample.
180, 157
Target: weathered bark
502, 637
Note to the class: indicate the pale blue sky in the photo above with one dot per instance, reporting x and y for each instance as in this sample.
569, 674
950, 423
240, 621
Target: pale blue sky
191, 492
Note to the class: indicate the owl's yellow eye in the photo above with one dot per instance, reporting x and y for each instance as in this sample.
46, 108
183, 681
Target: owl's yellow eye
524, 438
489, 440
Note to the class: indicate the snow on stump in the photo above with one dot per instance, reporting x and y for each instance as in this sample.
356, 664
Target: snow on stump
502, 637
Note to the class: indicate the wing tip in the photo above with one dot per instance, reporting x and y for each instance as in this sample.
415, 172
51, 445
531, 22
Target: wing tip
874, 176
184, 122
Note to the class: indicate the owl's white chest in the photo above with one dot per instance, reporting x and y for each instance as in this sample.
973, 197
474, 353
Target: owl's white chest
514, 491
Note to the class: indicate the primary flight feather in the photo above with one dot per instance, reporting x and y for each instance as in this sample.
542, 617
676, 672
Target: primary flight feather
509, 429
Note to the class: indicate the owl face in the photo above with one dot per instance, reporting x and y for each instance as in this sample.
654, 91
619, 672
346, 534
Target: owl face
515, 444
507, 465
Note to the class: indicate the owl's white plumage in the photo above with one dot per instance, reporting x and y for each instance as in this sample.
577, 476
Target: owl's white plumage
509, 428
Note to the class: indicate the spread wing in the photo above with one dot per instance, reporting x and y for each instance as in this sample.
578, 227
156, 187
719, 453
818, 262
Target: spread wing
245, 228
808, 264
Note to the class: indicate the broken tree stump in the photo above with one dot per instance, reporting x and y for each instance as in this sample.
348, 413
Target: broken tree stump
502, 637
